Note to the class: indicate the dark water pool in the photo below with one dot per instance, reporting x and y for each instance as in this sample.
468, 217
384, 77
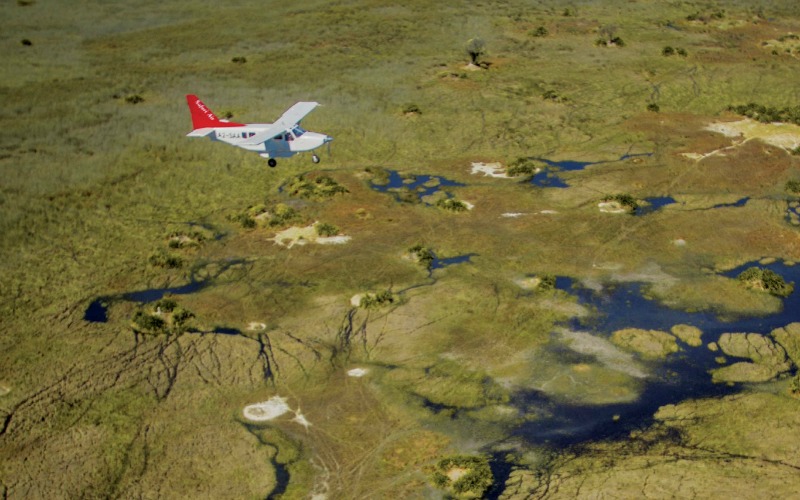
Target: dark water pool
548, 176
682, 376
420, 185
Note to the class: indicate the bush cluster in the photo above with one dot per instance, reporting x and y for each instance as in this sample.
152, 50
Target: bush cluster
476, 479
379, 299
162, 258
793, 186
767, 280
552, 95
452, 205
321, 187
326, 229
539, 32
766, 114
522, 166
424, 255
625, 200
670, 51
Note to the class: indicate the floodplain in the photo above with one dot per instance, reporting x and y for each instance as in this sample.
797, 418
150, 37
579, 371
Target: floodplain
416, 316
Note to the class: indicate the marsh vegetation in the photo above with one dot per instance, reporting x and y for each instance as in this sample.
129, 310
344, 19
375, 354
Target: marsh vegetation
102, 195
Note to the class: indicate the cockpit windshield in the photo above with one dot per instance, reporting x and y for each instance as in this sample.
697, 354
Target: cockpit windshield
297, 131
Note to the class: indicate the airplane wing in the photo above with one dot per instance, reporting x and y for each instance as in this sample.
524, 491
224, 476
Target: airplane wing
293, 115
289, 119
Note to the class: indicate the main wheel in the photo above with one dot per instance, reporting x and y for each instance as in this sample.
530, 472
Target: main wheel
272, 162
315, 158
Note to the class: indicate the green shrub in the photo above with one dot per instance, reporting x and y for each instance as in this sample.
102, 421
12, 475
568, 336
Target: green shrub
766, 280
26, 42
476, 48
165, 305
766, 114
319, 188
655, 108
325, 229
474, 481
134, 99
793, 186
148, 322
452, 205
239, 60
424, 255
667, 51
681, 52
411, 109
162, 258
539, 32
522, 166
379, 299
625, 200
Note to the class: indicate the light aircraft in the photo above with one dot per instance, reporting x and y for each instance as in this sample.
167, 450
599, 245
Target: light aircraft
281, 139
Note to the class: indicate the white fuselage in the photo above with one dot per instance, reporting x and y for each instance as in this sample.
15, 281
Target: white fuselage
284, 145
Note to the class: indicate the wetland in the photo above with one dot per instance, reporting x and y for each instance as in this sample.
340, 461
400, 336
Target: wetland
545, 256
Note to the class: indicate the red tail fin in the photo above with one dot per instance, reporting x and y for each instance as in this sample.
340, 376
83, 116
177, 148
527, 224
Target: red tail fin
202, 117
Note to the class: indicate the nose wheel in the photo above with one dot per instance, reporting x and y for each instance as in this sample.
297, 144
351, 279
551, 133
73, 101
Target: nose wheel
315, 158
272, 162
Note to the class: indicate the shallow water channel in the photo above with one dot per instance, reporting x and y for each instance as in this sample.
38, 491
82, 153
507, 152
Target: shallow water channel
683, 375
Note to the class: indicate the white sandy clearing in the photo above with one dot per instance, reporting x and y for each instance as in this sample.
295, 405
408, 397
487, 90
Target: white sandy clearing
611, 207
266, 410
300, 419
513, 214
547, 212
355, 300
255, 326
679, 242
303, 235
357, 372
782, 135
490, 169
529, 283
4, 389
469, 205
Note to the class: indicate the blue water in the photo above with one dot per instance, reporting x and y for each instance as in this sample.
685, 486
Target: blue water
653, 204
738, 204
97, 312
438, 263
416, 185
548, 176
682, 376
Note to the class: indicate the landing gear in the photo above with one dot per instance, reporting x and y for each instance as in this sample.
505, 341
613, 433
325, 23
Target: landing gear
315, 158
272, 162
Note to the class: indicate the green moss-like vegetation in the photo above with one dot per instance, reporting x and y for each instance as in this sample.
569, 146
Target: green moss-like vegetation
464, 476
767, 280
318, 188
793, 186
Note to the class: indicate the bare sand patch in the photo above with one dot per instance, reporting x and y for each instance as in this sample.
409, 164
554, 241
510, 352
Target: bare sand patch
304, 235
490, 169
357, 372
4, 389
255, 326
266, 410
512, 214
782, 135
612, 207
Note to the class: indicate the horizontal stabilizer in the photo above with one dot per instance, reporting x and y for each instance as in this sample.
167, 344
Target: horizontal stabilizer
200, 132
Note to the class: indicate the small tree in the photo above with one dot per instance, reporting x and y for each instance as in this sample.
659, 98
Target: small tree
476, 48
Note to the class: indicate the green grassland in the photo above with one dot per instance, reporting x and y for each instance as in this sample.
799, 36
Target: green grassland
96, 177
